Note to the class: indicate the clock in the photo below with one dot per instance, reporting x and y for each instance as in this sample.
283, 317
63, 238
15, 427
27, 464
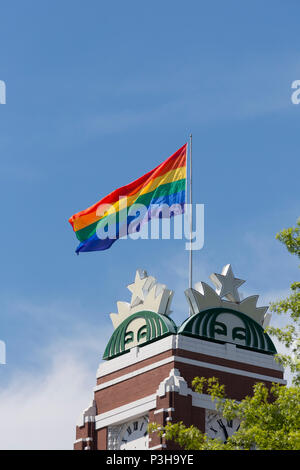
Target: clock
132, 435
217, 427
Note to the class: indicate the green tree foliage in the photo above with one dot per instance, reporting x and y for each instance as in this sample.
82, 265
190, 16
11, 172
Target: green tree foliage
270, 419
289, 335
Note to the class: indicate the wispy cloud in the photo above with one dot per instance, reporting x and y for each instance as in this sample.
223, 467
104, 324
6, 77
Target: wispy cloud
216, 92
45, 405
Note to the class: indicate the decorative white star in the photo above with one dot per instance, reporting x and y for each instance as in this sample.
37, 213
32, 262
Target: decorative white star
140, 288
226, 284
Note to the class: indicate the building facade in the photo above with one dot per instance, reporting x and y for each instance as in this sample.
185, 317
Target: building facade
149, 363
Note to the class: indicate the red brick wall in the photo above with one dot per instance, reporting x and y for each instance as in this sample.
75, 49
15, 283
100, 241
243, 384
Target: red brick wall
228, 363
236, 386
131, 389
133, 367
101, 439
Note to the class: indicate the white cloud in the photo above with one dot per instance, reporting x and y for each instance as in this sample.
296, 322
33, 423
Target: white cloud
243, 92
40, 410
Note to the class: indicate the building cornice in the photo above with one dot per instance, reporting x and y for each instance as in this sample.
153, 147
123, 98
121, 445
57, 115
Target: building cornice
216, 350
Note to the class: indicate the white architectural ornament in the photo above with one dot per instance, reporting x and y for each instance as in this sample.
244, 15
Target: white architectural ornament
147, 294
226, 284
173, 383
203, 297
113, 437
88, 414
140, 287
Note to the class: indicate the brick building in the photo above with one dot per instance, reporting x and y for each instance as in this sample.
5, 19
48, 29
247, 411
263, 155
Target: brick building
150, 363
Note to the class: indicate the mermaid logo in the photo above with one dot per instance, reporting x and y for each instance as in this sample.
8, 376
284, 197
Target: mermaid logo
144, 319
230, 326
229, 320
137, 330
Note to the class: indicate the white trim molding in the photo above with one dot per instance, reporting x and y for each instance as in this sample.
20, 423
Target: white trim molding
125, 412
194, 362
135, 355
226, 351
230, 370
84, 439
163, 410
130, 375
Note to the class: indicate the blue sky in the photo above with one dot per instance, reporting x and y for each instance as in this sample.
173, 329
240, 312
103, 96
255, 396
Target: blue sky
99, 93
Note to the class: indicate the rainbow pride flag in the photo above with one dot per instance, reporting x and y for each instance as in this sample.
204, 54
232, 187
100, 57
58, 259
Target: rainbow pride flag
99, 226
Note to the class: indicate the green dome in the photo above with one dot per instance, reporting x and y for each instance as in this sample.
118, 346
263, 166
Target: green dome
226, 325
151, 327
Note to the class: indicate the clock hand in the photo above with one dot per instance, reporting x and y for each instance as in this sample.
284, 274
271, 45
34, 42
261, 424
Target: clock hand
214, 430
223, 427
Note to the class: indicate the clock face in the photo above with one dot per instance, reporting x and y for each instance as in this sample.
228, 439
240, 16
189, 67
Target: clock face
217, 427
134, 434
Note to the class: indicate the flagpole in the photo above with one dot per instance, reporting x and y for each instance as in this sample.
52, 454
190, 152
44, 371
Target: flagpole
191, 220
